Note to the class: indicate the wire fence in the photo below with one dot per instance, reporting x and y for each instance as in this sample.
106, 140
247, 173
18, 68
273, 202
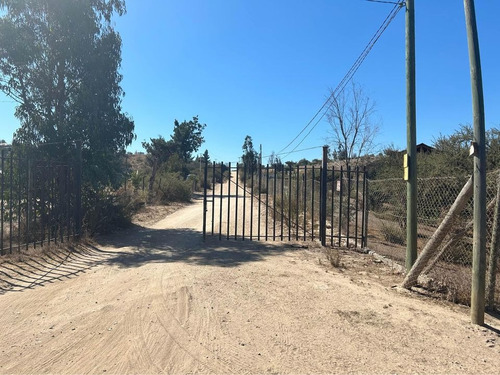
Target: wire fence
450, 269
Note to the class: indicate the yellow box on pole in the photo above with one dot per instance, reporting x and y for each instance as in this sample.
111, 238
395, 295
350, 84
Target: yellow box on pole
406, 169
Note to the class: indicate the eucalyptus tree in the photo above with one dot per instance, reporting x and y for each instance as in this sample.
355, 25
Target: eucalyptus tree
60, 61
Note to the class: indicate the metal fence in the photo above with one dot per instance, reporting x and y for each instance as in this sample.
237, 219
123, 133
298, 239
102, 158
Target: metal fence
40, 202
282, 203
450, 270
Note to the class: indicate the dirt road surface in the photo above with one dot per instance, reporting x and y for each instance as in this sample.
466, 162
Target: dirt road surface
156, 299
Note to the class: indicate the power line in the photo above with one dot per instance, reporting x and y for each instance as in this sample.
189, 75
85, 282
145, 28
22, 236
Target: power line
384, 1
347, 77
291, 152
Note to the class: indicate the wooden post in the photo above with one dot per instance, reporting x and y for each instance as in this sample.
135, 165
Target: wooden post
479, 237
411, 133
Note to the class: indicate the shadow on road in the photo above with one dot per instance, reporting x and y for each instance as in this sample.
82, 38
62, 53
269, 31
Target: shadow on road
144, 245
135, 247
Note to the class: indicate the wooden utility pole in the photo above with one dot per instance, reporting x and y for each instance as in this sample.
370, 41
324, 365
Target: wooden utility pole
411, 139
479, 153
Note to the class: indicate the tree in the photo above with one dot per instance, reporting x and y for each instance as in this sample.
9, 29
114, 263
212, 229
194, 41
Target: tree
249, 157
275, 161
60, 61
158, 151
205, 157
352, 130
186, 139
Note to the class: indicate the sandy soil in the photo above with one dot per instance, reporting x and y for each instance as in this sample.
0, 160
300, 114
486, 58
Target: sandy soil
156, 299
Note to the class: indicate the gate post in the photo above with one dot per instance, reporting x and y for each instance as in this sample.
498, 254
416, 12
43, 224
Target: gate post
78, 192
205, 174
322, 223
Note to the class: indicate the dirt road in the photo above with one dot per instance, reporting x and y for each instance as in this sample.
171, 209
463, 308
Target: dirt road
157, 299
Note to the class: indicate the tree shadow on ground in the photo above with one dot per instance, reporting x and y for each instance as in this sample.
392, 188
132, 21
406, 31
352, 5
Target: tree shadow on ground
145, 245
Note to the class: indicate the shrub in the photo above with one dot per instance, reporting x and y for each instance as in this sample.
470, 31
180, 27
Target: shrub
393, 233
174, 189
106, 210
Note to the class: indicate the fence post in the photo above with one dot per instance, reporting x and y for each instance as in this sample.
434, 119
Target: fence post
78, 183
205, 174
479, 236
322, 220
1, 200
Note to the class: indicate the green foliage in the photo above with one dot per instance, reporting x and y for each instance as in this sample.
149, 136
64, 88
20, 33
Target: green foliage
187, 138
106, 210
174, 155
249, 157
174, 189
60, 60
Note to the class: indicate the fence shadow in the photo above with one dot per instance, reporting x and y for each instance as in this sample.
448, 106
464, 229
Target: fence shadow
145, 245
30, 271
135, 247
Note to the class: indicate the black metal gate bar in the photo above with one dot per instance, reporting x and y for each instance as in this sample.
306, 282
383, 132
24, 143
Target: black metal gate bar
364, 219
312, 203
251, 204
2, 191
341, 179
244, 200
349, 177
259, 203
213, 197
274, 203
290, 203
356, 212
236, 203
220, 199
298, 202
267, 200
205, 172
305, 200
332, 207
19, 203
282, 200
228, 200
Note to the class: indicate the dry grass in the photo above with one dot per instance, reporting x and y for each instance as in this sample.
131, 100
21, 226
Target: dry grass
333, 256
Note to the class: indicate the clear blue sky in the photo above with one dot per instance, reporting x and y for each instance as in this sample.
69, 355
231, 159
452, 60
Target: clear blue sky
264, 68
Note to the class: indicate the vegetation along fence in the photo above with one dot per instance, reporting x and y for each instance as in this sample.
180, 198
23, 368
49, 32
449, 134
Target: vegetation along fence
449, 271
283, 203
40, 202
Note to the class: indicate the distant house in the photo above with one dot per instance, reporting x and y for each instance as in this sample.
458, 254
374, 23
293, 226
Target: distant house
422, 148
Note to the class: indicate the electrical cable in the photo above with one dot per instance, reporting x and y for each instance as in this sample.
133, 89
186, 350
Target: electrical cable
347, 77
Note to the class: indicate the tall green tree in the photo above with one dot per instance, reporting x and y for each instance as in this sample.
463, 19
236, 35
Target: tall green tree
185, 140
250, 156
60, 61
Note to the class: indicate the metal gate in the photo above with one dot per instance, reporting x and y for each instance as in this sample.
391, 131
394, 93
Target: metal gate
278, 203
40, 202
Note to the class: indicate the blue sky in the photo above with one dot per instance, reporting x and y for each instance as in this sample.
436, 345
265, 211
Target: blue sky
264, 68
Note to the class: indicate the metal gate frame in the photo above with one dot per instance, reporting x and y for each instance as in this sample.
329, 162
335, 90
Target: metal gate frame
284, 203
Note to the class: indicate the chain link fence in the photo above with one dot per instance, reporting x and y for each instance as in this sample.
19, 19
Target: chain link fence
449, 272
